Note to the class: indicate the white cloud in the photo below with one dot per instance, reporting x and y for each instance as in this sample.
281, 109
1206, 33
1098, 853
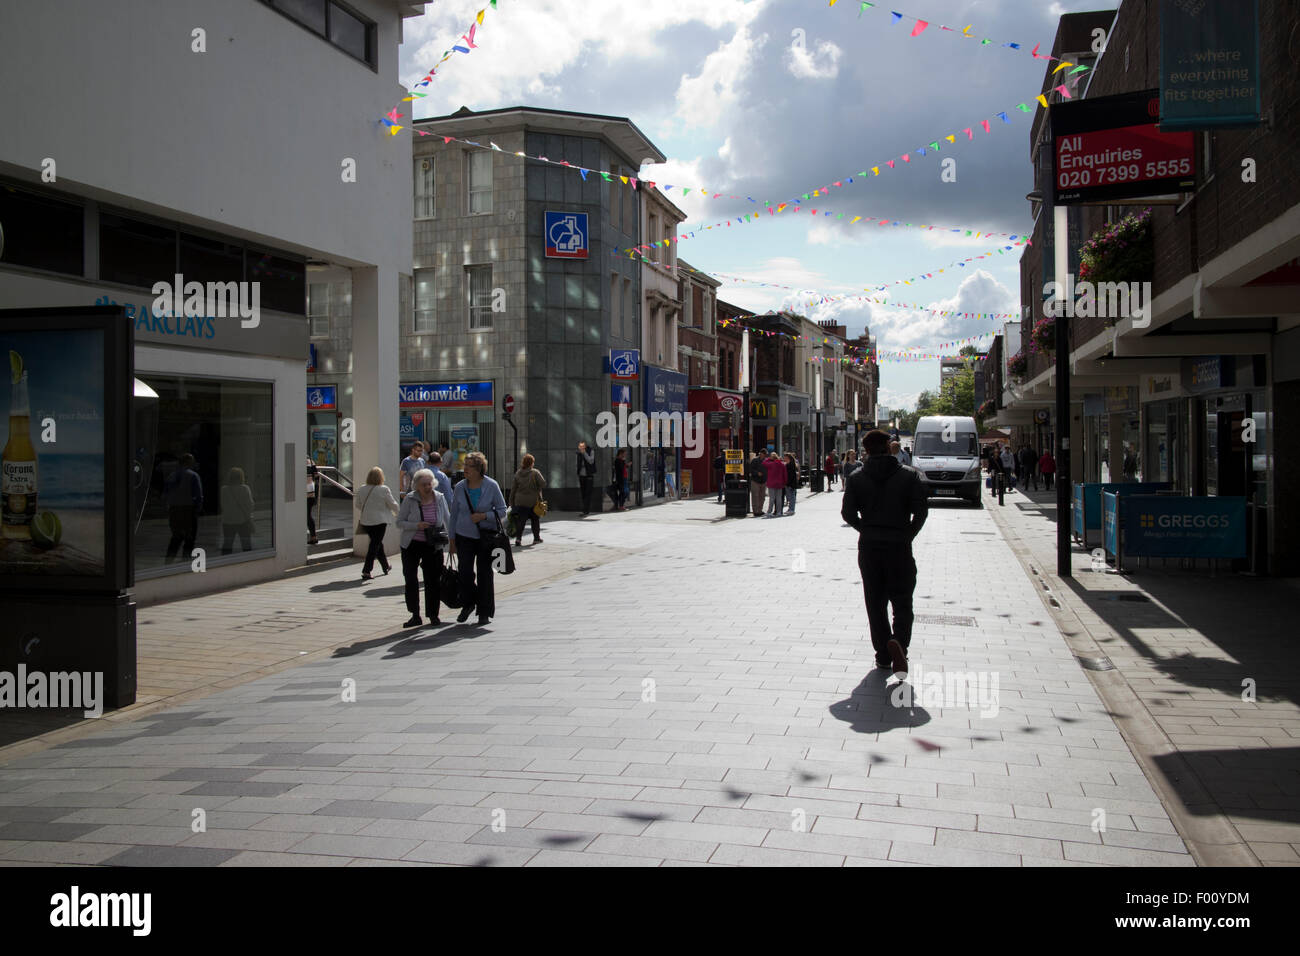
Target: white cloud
890, 399
979, 292
824, 64
717, 88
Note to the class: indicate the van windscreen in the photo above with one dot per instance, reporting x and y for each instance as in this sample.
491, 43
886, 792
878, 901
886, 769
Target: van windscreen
932, 444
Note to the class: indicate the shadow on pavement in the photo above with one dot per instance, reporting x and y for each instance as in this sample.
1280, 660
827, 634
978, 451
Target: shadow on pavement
874, 707
1261, 784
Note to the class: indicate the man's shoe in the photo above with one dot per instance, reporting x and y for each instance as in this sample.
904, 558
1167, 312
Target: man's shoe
884, 664
464, 614
366, 577
897, 658
483, 620
414, 621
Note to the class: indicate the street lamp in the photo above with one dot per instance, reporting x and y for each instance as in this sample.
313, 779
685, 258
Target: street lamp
817, 397
744, 387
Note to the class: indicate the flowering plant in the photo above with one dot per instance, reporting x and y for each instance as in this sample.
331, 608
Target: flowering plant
987, 409
1018, 365
1121, 251
1042, 338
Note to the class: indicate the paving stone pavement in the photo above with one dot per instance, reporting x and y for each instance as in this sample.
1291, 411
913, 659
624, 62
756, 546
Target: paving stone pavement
1209, 663
689, 699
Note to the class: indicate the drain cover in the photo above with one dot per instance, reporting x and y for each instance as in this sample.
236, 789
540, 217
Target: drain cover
944, 619
1125, 596
1096, 663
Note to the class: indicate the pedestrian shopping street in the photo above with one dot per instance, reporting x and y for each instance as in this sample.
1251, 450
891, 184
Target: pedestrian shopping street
661, 687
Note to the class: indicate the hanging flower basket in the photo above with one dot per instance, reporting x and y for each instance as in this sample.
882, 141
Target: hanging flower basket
1042, 338
1121, 251
1018, 366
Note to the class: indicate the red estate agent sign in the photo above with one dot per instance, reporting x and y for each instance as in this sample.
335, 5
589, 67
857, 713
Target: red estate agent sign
1110, 148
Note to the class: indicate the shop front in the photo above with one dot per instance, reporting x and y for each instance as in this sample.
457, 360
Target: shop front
665, 393
1165, 431
1112, 435
460, 416
795, 432
323, 425
720, 411
763, 421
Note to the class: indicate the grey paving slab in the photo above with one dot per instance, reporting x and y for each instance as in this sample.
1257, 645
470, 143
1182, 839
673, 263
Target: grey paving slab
170, 856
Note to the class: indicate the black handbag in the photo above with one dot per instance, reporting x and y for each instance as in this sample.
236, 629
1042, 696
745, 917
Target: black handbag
449, 585
498, 541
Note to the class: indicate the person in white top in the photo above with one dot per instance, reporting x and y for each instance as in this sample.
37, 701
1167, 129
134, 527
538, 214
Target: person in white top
378, 507
902, 454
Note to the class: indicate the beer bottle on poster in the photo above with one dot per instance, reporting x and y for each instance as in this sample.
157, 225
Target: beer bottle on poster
18, 461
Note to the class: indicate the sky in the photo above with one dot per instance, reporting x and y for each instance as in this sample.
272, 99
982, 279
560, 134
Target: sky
771, 99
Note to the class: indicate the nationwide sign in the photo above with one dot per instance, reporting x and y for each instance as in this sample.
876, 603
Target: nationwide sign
1111, 148
456, 395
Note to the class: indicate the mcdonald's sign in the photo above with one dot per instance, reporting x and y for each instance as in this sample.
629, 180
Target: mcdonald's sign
762, 408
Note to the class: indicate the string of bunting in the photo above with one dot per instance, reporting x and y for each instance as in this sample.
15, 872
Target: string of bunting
915, 354
919, 27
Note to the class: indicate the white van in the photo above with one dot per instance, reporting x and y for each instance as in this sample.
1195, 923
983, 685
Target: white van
946, 451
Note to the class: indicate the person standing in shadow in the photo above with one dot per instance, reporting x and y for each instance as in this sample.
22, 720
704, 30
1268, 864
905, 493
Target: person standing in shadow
183, 496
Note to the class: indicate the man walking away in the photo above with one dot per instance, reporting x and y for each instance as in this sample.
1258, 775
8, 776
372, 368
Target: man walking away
586, 475
757, 484
791, 481
1028, 465
775, 485
1047, 465
886, 504
720, 472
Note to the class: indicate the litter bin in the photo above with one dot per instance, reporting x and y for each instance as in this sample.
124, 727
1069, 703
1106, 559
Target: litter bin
737, 497
817, 481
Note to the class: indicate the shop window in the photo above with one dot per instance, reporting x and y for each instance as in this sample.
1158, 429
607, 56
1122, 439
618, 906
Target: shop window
478, 285
132, 252
478, 166
283, 281
210, 260
227, 508
424, 301
41, 233
425, 207
334, 22
318, 309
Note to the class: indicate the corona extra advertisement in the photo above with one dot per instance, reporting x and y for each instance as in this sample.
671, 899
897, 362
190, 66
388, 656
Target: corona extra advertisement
52, 457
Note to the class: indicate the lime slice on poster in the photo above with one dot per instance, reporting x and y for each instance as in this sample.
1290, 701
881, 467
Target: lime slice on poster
47, 529
15, 366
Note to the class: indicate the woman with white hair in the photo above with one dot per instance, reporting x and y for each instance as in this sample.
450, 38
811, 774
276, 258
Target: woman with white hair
377, 507
424, 520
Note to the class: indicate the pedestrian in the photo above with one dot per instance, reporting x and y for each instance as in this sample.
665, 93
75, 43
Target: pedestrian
1028, 466
850, 468
902, 454
313, 499
757, 484
1047, 466
1008, 462
776, 476
586, 475
618, 489
1129, 463
477, 507
183, 496
525, 492
377, 508
412, 463
236, 512
720, 471
829, 468
886, 504
440, 479
791, 481
424, 520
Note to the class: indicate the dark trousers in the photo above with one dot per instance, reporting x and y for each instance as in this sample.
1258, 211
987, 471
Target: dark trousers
888, 577
584, 492
417, 555
522, 512
620, 492
376, 550
474, 555
311, 516
228, 533
184, 523
1047, 480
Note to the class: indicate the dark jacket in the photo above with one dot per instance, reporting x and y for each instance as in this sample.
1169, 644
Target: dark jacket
586, 463
757, 473
885, 501
791, 475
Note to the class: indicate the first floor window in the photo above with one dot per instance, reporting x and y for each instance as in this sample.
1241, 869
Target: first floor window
424, 192
318, 309
424, 305
478, 283
479, 165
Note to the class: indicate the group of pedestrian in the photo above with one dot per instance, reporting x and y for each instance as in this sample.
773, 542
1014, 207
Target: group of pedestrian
776, 477
1024, 467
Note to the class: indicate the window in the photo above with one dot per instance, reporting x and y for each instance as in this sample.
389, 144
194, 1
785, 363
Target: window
41, 233
629, 311
479, 167
210, 260
135, 253
336, 23
615, 307
478, 285
424, 303
615, 197
425, 208
318, 309
282, 281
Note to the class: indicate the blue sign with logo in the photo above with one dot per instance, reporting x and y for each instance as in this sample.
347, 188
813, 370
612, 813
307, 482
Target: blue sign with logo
1209, 64
322, 398
1110, 522
625, 364
665, 390
453, 395
566, 235
1170, 526
620, 395
406, 429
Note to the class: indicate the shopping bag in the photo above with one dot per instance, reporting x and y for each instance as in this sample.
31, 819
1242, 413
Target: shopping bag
449, 585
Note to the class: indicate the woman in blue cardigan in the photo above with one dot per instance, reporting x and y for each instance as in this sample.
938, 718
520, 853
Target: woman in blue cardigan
476, 505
